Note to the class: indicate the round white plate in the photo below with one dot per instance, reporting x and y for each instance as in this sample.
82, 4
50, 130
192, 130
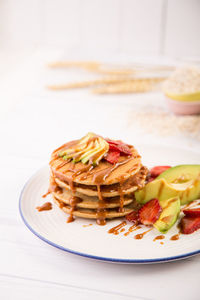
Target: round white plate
95, 241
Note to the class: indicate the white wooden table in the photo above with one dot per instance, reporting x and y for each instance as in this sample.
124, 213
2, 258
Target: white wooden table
30, 128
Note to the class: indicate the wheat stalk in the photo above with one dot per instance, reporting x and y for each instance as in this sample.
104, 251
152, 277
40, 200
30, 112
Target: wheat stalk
131, 86
89, 83
107, 69
88, 65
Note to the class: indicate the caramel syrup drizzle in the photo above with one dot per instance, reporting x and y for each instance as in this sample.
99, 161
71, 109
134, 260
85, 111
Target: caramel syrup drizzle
191, 204
73, 200
87, 225
115, 230
53, 187
131, 229
62, 164
121, 194
100, 177
141, 235
159, 237
175, 237
101, 210
45, 206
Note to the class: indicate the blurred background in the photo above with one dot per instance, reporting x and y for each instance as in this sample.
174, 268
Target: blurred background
109, 53
145, 27
94, 29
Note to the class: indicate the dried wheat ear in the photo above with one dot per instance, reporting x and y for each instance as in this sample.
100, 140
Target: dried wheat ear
130, 86
74, 64
111, 84
89, 83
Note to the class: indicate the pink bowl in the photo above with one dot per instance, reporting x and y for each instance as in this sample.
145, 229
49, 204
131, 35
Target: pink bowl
183, 108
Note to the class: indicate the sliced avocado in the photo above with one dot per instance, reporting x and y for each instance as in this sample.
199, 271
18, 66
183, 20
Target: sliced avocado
104, 149
95, 155
78, 156
162, 190
79, 147
85, 158
70, 151
87, 138
159, 189
90, 148
181, 173
184, 174
169, 215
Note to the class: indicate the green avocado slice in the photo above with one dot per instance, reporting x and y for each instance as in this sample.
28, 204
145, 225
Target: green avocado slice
79, 147
78, 156
169, 215
95, 155
180, 173
162, 190
86, 157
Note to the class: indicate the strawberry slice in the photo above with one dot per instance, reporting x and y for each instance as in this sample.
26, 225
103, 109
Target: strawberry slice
156, 171
115, 142
113, 147
150, 212
119, 146
150, 179
132, 217
123, 148
112, 157
189, 224
195, 212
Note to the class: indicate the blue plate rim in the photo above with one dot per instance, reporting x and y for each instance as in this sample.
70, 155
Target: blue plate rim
100, 258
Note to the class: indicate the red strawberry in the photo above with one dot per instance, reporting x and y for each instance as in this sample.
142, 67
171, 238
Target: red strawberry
189, 224
156, 171
124, 149
113, 147
150, 212
195, 212
132, 217
119, 146
150, 179
112, 157
116, 142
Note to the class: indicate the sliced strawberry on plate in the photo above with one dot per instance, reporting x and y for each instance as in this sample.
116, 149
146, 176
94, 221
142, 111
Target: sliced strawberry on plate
193, 212
150, 212
132, 217
156, 171
189, 224
112, 157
